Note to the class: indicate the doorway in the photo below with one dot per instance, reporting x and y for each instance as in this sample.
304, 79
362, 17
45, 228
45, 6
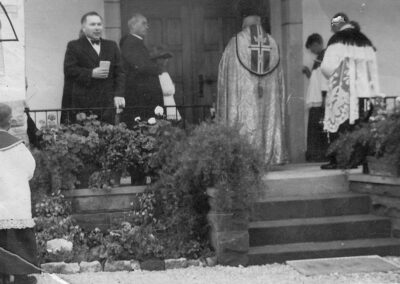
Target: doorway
196, 32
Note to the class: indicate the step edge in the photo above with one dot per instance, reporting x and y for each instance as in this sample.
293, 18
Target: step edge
321, 246
316, 221
328, 196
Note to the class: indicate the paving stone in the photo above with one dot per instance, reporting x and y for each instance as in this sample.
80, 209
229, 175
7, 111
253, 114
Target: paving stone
153, 265
117, 265
194, 262
176, 263
135, 265
211, 261
93, 266
61, 267
58, 245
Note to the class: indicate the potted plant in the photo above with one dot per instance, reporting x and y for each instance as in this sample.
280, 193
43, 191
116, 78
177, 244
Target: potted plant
67, 152
145, 141
118, 151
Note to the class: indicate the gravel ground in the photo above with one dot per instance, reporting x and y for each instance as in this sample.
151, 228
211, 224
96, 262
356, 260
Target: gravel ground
274, 274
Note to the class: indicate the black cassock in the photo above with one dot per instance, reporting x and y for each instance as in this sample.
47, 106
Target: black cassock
143, 87
83, 91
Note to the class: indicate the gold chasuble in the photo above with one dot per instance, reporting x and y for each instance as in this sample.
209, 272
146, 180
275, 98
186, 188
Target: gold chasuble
251, 91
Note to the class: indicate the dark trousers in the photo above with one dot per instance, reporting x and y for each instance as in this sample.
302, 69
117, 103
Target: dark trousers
21, 242
345, 127
317, 140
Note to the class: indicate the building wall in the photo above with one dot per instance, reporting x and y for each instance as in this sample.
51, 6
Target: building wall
49, 25
292, 57
379, 20
112, 19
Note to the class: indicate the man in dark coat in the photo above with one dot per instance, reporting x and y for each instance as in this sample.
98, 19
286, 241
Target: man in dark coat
142, 85
94, 76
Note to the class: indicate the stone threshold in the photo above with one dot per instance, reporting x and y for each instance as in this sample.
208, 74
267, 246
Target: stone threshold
126, 265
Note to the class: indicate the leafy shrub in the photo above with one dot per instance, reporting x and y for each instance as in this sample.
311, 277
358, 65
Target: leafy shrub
53, 221
212, 155
379, 137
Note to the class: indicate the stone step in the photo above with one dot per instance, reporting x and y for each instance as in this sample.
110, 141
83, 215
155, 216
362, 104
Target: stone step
320, 229
320, 205
281, 253
305, 180
94, 201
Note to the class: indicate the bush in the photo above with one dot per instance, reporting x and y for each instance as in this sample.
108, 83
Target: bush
379, 137
171, 219
212, 155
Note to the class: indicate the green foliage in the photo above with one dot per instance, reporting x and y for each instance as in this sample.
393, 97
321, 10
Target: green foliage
352, 147
133, 242
170, 220
53, 221
212, 155
379, 137
70, 153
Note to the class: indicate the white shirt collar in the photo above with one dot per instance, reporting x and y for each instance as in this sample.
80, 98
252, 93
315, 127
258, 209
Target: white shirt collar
139, 37
90, 40
346, 26
96, 47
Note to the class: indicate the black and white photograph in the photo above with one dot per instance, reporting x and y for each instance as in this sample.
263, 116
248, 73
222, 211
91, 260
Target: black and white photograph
199, 141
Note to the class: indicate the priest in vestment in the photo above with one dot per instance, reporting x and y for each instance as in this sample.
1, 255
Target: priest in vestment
350, 65
251, 88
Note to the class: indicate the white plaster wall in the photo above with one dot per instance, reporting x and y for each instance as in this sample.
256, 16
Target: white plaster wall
49, 25
379, 20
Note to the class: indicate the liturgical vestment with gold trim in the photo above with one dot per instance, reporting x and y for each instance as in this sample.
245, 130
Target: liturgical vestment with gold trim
251, 91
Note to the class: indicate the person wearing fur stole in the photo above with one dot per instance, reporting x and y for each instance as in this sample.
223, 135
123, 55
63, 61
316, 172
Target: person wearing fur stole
350, 65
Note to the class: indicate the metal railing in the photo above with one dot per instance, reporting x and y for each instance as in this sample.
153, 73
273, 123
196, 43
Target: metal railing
183, 114
389, 103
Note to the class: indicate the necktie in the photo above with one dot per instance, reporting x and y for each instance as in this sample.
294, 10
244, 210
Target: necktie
95, 41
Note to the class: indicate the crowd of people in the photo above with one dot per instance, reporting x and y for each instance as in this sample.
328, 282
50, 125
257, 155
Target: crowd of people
99, 74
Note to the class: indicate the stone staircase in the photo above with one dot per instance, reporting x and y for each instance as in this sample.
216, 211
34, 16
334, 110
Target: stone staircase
323, 220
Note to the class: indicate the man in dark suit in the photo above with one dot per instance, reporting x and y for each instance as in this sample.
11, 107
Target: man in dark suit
142, 85
94, 76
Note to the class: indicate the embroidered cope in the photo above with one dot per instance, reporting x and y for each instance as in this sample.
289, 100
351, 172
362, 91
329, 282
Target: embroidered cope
251, 91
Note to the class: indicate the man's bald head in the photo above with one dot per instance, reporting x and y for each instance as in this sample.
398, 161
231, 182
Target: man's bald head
5, 116
251, 20
138, 25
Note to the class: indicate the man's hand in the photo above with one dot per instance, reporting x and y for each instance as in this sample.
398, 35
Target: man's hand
100, 73
119, 103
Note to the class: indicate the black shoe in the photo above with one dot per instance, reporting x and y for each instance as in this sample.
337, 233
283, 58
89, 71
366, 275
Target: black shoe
330, 166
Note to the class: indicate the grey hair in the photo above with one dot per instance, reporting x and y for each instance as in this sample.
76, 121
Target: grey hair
134, 20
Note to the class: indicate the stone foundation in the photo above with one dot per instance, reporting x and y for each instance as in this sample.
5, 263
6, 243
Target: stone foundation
104, 208
229, 234
385, 196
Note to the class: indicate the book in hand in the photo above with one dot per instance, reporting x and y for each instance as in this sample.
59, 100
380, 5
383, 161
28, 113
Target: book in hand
105, 65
